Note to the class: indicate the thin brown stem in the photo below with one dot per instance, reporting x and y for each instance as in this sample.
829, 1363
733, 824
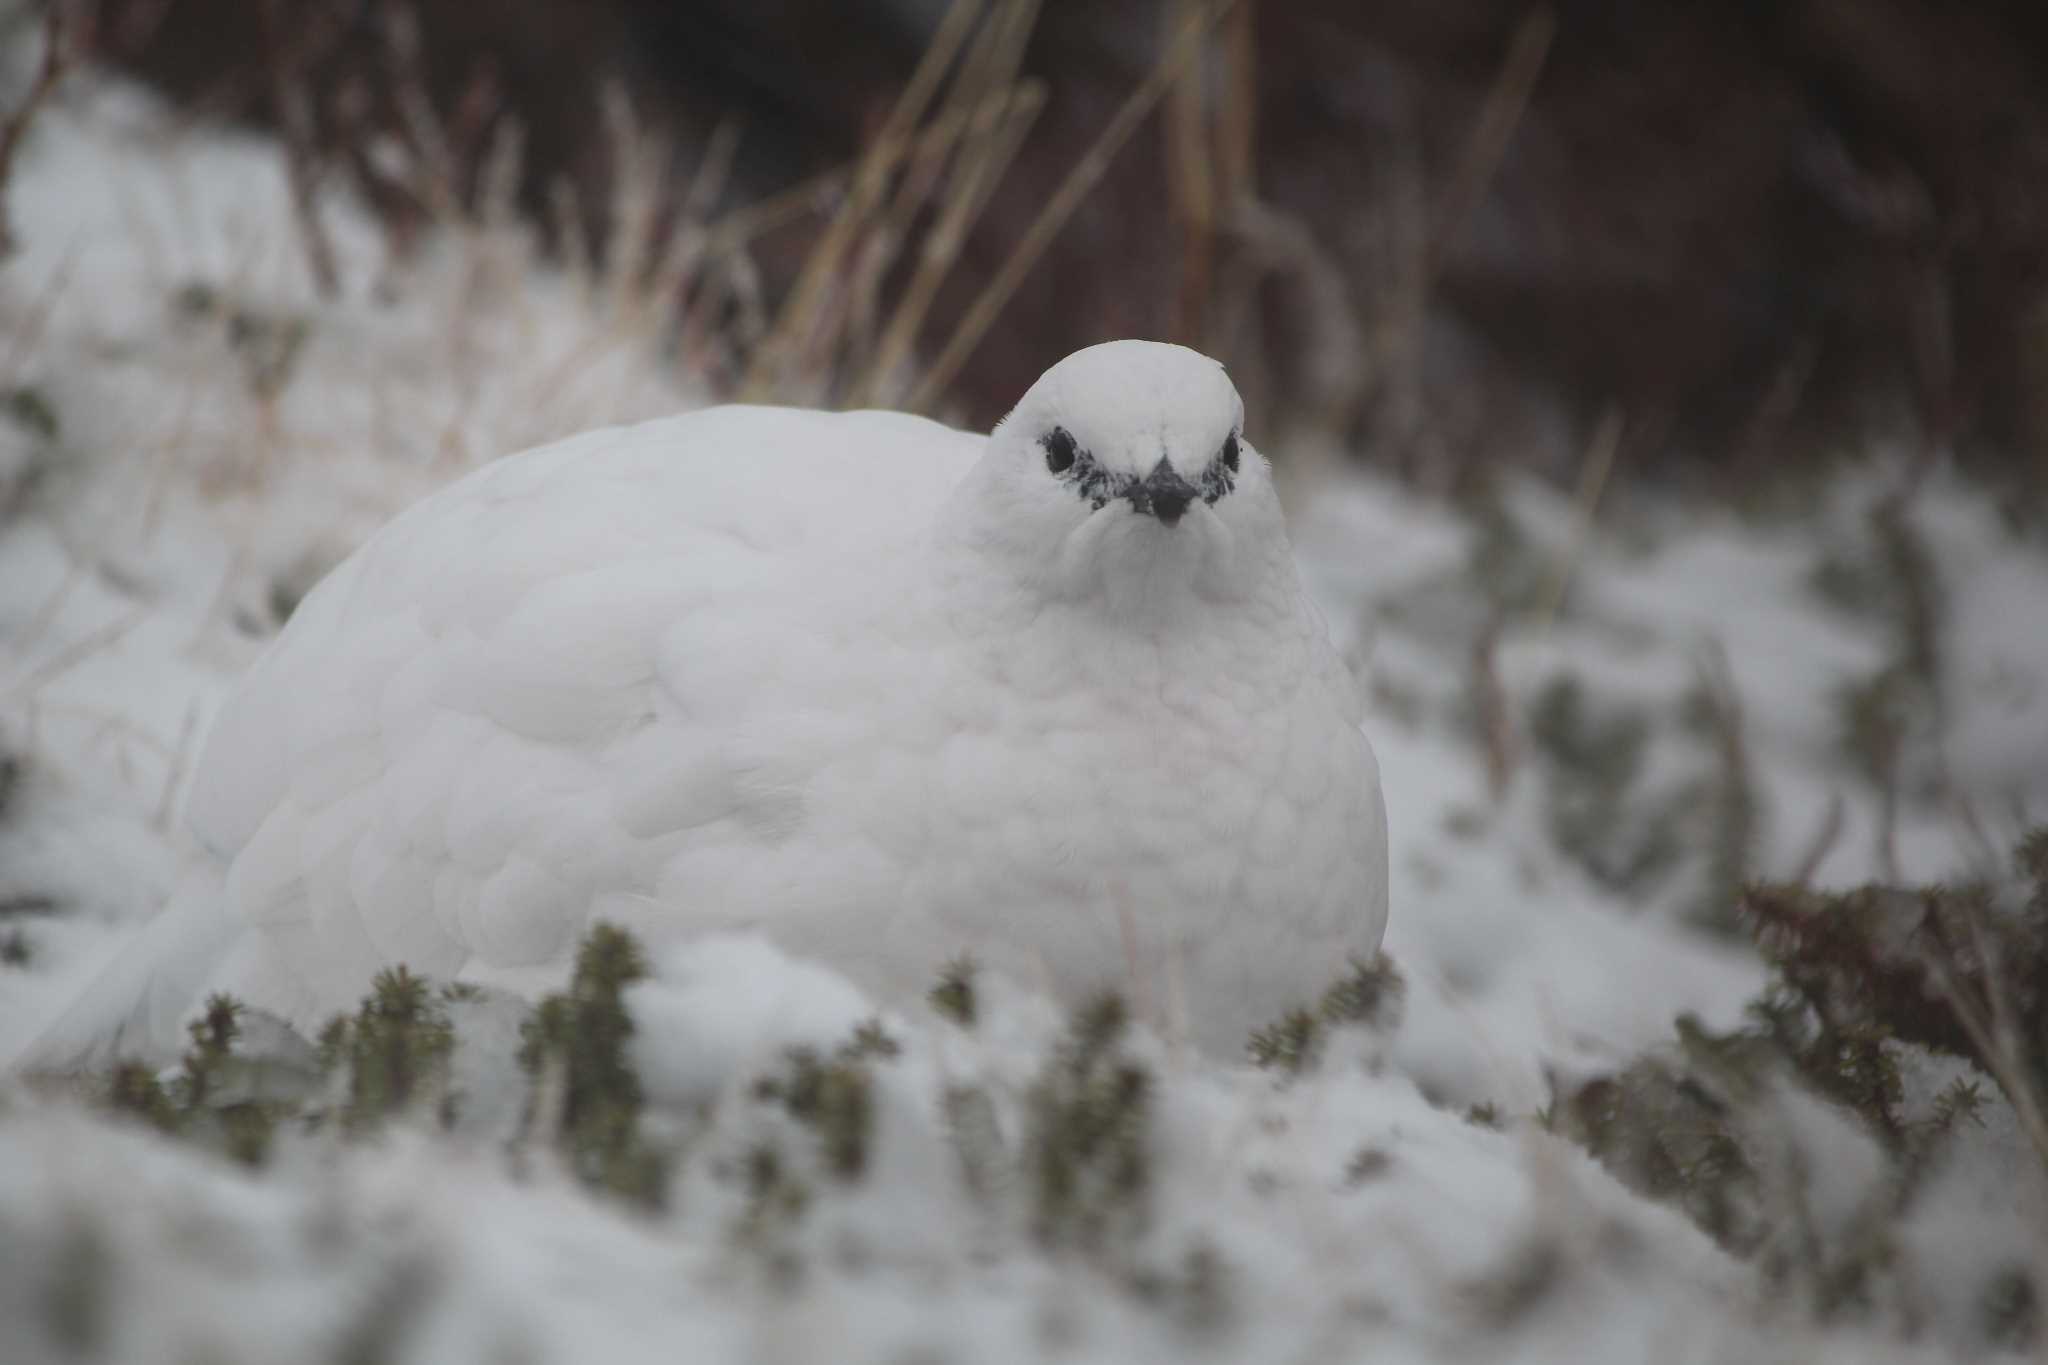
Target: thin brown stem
294, 115
57, 59
989, 304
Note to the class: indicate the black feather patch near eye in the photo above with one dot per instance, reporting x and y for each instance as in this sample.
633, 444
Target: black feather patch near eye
1230, 453
1059, 449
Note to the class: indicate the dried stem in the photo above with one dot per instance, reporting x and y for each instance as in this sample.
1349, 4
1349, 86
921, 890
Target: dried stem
1593, 475
982, 313
1496, 712
1191, 188
822, 268
294, 115
58, 58
1995, 1032
1495, 129
1822, 843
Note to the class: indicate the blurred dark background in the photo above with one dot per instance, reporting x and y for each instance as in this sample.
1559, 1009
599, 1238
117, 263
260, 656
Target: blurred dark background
1442, 231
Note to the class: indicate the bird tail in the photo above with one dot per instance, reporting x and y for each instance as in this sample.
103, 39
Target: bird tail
134, 1007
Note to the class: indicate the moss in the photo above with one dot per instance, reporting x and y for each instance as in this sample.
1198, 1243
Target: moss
30, 409
134, 1089
776, 1202
976, 1137
395, 1049
1087, 1145
574, 1047
954, 997
1485, 1114
206, 1102
1369, 995
1289, 1044
833, 1096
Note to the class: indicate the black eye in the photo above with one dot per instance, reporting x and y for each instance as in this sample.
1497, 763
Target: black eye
1230, 453
1059, 449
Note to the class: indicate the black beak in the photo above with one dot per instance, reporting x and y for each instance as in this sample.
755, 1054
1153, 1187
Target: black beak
1163, 494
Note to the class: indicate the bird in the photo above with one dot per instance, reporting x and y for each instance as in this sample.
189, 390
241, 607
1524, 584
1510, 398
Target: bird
1053, 700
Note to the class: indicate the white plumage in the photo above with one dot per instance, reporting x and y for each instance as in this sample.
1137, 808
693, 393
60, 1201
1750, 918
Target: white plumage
884, 691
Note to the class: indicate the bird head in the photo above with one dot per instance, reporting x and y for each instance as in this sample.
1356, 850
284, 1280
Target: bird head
1124, 470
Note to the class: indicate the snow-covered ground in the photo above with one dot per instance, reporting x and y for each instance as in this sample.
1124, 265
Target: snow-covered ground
1588, 735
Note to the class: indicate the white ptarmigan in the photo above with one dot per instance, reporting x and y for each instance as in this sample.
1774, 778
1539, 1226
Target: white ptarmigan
883, 691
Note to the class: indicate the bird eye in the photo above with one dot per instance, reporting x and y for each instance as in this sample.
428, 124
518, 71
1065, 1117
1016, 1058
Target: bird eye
1230, 453
1059, 449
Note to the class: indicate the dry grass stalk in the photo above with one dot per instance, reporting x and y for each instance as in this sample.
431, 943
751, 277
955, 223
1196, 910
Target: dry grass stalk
1994, 1030
58, 58
982, 123
1192, 188
982, 313
795, 327
1495, 128
1593, 476
1822, 843
1495, 709
1003, 130
294, 116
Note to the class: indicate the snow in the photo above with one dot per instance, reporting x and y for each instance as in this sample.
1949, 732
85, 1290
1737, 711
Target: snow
1351, 1212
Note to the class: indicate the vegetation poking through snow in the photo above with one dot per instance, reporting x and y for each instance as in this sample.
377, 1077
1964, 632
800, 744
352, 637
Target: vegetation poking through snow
393, 1050
1871, 984
1088, 1154
833, 1096
1368, 996
216, 1098
29, 408
585, 1091
953, 994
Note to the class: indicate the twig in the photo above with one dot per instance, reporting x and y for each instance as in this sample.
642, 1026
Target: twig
1495, 129
943, 244
77, 652
1822, 843
180, 757
295, 123
1592, 482
822, 267
982, 313
1996, 1037
28, 336
1191, 190
57, 59
1496, 714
